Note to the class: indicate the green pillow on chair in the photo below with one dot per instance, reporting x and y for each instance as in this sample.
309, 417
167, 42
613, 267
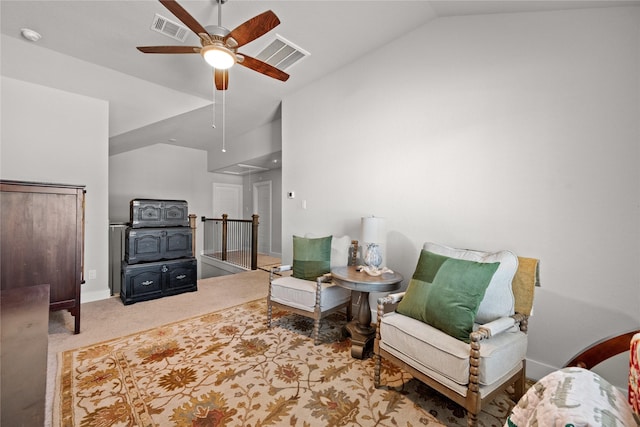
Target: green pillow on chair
450, 302
413, 303
311, 257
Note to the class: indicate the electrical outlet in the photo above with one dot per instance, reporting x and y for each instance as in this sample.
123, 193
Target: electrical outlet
92, 274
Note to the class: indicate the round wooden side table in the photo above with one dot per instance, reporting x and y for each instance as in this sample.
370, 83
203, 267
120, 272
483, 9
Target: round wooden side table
360, 329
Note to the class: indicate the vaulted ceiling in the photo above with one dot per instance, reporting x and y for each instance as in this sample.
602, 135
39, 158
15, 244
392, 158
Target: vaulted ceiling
168, 98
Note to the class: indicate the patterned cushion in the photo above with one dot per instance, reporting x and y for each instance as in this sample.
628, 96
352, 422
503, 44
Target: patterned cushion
634, 374
572, 396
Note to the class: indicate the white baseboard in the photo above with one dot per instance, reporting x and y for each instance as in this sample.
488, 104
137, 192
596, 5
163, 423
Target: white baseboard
537, 370
94, 296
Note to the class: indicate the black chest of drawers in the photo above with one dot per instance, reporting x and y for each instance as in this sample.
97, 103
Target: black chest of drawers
158, 213
154, 244
142, 282
158, 259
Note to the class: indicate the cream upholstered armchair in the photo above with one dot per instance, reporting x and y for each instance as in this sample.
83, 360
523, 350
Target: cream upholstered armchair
459, 328
308, 291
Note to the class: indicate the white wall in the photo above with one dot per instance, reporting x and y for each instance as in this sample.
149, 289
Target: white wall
259, 142
511, 131
139, 102
164, 171
49, 135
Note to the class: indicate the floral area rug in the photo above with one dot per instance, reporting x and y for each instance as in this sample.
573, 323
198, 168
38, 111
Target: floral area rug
227, 369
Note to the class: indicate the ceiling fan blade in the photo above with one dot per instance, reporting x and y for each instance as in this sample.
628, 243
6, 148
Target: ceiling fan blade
184, 16
169, 49
221, 78
264, 68
254, 28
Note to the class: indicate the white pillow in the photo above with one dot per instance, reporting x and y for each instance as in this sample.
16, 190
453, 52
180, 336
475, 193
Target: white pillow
339, 249
498, 300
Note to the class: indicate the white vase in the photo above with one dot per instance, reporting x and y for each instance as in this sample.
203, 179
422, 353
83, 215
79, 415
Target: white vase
372, 256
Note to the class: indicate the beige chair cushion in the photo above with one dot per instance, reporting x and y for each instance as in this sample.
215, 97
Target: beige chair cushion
430, 350
301, 294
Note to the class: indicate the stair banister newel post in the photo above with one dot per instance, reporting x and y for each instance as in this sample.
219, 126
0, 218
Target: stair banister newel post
192, 225
254, 242
224, 236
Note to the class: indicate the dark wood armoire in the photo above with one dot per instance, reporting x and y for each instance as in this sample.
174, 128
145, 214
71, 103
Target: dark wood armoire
42, 240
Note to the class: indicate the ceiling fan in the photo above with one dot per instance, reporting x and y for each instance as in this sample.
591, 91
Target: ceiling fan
220, 46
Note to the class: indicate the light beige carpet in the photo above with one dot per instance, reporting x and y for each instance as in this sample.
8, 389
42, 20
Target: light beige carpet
227, 369
108, 319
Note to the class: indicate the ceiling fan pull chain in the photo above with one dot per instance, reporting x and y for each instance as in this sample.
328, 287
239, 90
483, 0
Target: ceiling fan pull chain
224, 127
213, 106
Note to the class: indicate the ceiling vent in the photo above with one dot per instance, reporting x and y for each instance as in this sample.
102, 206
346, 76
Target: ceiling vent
282, 54
242, 169
169, 28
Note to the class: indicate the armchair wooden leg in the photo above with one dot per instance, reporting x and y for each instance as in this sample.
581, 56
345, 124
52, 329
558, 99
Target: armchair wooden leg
376, 370
316, 331
376, 348
472, 419
474, 402
520, 384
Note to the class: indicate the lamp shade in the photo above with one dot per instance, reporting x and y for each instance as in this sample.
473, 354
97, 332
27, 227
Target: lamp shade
372, 230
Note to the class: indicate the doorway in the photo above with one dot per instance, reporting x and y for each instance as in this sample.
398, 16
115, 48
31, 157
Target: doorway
262, 207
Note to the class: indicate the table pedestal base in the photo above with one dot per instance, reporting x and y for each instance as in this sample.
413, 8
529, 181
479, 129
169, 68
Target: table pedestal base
360, 330
361, 339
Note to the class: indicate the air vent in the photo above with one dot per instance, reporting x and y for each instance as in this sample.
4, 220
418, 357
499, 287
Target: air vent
242, 169
169, 28
282, 54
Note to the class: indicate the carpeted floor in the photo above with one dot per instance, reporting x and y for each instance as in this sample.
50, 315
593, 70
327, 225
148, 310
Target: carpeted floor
227, 369
107, 320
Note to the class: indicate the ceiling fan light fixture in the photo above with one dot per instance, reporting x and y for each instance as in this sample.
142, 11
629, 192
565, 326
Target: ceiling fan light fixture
218, 56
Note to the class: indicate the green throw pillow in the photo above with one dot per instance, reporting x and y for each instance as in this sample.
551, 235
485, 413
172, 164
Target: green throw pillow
311, 257
412, 304
451, 301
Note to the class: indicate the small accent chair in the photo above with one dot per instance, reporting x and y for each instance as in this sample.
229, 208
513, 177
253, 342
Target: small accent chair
313, 296
460, 329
